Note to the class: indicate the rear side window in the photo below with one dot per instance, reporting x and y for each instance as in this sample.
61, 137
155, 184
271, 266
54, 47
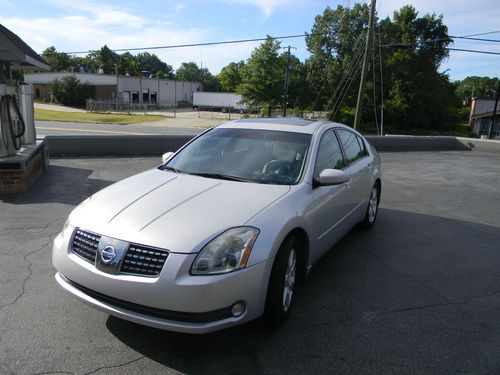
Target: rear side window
352, 148
329, 154
362, 145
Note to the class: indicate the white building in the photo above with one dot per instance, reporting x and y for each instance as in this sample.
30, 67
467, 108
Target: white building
124, 89
481, 113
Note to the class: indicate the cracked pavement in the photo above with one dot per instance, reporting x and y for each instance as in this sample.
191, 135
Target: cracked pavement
420, 293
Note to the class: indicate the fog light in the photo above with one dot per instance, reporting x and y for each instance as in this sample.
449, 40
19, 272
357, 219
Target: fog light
238, 309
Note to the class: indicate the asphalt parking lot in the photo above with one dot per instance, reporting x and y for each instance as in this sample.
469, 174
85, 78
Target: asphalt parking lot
419, 294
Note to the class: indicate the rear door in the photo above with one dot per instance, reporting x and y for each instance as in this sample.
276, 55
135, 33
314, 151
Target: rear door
357, 168
331, 202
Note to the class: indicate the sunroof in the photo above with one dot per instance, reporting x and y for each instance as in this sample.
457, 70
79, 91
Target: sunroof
282, 121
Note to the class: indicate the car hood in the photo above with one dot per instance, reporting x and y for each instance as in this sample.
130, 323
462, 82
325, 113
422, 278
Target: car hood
178, 212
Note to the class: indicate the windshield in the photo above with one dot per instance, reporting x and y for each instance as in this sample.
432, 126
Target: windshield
263, 156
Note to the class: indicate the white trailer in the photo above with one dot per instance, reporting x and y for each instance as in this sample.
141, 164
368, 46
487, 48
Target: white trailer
218, 101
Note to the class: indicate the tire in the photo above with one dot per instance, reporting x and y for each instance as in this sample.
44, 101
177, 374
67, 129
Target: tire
372, 209
282, 283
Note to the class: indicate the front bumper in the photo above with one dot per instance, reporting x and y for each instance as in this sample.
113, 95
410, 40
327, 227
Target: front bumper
175, 300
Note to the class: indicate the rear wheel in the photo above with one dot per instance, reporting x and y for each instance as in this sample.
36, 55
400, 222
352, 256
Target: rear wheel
282, 283
372, 210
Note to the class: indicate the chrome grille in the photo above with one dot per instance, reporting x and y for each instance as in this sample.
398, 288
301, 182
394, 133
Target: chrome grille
144, 261
85, 245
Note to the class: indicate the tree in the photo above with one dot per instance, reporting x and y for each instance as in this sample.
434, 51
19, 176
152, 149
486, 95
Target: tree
109, 62
263, 75
189, 71
230, 76
335, 44
481, 86
58, 61
416, 95
70, 91
105, 59
152, 63
299, 93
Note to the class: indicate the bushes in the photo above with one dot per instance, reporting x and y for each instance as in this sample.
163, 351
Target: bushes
69, 91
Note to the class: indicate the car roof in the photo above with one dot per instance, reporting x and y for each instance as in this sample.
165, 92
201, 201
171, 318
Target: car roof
294, 125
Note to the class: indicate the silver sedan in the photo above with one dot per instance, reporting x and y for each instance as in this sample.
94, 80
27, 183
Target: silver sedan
220, 232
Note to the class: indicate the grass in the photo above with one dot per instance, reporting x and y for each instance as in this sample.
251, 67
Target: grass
92, 118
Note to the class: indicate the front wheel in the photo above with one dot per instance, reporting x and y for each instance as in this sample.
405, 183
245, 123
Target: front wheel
282, 283
372, 210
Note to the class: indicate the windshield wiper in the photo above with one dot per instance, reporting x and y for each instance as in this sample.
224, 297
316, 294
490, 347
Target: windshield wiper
219, 176
169, 168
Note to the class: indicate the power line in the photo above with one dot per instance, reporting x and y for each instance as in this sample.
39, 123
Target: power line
348, 65
347, 73
474, 51
486, 33
344, 85
197, 44
272, 38
478, 39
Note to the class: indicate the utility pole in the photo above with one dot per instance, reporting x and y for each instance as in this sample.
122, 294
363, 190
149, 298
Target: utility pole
492, 122
287, 71
364, 72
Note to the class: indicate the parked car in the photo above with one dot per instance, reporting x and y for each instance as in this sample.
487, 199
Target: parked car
222, 230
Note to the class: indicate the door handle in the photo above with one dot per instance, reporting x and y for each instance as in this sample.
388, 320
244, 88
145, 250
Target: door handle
347, 184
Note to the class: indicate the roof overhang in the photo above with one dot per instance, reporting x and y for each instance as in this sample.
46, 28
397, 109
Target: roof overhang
15, 51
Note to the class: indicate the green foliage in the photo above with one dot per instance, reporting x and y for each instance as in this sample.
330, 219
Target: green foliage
152, 63
58, 61
189, 71
299, 93
71, 92
416, 94
230, 76
263, 75
336, 39
109, 62
483, 87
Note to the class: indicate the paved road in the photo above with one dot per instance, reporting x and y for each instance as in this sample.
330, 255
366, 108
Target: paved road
75, 128
418, 294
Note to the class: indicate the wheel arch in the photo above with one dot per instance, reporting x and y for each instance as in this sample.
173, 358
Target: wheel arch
302, 251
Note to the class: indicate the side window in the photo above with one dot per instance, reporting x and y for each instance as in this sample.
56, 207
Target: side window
352, 149
329, 154
363, 145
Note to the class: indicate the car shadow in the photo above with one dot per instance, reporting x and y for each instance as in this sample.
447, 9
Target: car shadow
398, 288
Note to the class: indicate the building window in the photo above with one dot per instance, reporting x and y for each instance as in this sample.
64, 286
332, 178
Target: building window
37, 94
135, 97
153, 97
145, 96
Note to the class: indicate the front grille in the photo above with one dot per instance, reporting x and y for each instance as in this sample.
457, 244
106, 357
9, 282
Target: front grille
139, 259
143, 260
85, 245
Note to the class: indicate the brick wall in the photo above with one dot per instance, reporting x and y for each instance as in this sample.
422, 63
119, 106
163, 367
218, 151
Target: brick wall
18, 181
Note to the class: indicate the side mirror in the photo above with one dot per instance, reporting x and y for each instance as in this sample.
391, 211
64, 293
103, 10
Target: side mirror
332, 177
166, 156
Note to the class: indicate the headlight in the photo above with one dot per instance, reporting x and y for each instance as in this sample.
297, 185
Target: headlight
227, 252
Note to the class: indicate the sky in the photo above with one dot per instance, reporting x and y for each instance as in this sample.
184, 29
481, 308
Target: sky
82, 25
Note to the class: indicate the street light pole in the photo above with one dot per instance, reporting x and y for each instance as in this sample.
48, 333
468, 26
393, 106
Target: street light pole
287, 72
